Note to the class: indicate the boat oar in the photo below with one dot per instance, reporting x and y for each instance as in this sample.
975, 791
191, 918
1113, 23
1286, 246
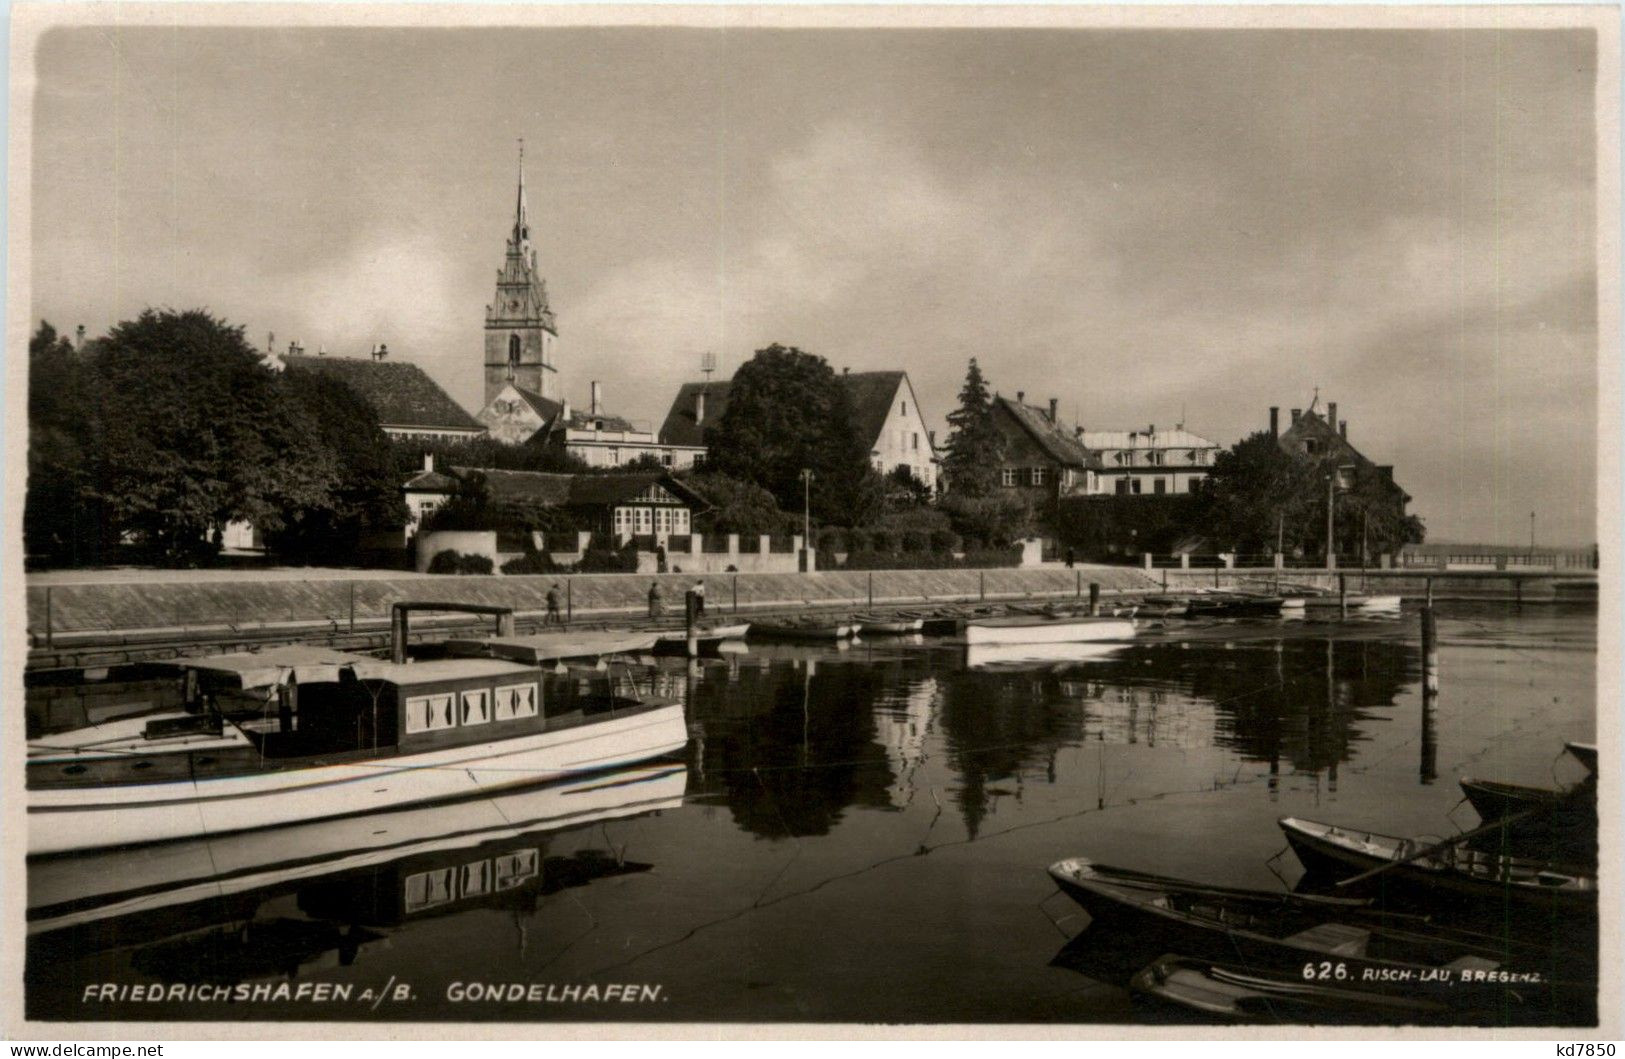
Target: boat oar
1454, 840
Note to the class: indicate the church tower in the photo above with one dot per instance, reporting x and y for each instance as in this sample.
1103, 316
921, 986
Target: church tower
519, 328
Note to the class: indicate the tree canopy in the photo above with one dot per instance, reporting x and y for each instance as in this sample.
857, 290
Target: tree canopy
787, 412
736, 506
975, 448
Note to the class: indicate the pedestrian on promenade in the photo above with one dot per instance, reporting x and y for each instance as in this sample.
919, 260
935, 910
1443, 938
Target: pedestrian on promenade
1069, 557
553, 615
657, 602
699, 599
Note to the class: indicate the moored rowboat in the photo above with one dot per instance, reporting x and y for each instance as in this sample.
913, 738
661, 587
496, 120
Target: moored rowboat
1020, 629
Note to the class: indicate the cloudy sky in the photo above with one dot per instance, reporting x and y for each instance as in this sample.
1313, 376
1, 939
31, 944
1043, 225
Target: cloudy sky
1147, 224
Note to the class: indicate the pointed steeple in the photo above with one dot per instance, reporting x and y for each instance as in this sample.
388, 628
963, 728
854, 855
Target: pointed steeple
521, 225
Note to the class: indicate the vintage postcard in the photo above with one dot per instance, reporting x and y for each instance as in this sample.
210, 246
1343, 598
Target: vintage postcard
675, 521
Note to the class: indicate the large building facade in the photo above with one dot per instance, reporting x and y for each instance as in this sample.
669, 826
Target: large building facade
1150, 461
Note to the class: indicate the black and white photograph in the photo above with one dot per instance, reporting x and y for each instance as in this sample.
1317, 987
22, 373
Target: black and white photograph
722, 519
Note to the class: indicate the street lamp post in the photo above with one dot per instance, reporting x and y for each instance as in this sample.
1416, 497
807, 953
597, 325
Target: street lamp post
806, 508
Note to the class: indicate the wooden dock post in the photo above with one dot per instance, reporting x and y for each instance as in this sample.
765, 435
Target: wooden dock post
1080, 584
48, 632
1342, 595
871, 590
736, 593
1430, 653
1094, 598
691, 640
352, 606
569, 602
981, 585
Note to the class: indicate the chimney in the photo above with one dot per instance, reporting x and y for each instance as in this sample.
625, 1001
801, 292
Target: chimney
1275, 421
931, 438
1021, 397
428, 462
1343, 429
1296, 412
1077, 432
699, 407
1331, 414
597, 397
79, 337
1151, 429
1054, 409
270, 342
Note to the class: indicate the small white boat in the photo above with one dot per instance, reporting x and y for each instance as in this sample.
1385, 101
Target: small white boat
349, 738
1381, 603
1031, 629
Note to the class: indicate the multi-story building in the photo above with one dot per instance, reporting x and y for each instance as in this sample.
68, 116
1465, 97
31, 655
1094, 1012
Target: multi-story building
410, 405
1149, 461
1041, 457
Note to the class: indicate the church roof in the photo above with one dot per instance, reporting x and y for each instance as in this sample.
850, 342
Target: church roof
680, 427
1056, 443
401, 393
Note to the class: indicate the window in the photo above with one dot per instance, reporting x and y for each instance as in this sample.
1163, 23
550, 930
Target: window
476, 706
1037, 476
1154, 457
665, 459
515, 700
513, 354
615, 457
916, 445
427, 889
1311, 447
679, 520
1134, 486
476, 879
428, 713
1123, 458
905, 408
1122, 487
623, 520
1009, 476
512, 869
1160, 486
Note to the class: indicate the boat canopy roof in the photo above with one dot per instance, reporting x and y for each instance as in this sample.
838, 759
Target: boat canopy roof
434, 671
271, 666
552, 646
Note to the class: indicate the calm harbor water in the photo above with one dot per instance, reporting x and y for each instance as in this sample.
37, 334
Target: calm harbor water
854, 835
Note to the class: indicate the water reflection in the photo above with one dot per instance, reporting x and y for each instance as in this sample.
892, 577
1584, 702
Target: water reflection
289, 901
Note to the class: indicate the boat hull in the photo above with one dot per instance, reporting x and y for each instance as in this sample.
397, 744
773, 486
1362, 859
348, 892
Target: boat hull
66, 820
1042, 630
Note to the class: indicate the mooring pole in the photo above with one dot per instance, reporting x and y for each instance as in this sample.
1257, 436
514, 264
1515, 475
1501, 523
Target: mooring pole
352, 606
1430, 653
1428, 584
1342, 595
569, 602
736, 593
397, 635
1080, 583
871, 590
981, 585
1094, 598
48, 617
690, 637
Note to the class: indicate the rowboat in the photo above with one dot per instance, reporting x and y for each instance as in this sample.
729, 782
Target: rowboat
1246, 994
810, 629
878, 625
1542, 821
333, 739
1025, 629
1327, 941
707, 638
1455, 871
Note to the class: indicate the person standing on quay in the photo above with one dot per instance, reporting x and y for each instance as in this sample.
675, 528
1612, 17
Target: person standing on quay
553, 616
657, 602
699, 599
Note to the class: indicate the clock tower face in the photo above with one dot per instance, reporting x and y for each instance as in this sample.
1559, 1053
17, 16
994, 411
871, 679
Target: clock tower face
519, 325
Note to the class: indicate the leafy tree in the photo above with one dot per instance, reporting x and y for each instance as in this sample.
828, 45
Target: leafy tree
196, 433
998, 519
736, 506
63, 521
1256, 490
975, 449
788, 412
904, 490
366, 494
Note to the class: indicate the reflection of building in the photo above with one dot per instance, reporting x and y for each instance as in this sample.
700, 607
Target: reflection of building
903, 723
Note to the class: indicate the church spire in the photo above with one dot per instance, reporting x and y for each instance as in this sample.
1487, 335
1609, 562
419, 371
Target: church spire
521, 225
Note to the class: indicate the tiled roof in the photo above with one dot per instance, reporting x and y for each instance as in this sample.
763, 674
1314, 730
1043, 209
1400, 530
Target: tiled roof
577, 490
872, 394
1060, 446
680, 427
430, 482
1140, 439
400, 392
